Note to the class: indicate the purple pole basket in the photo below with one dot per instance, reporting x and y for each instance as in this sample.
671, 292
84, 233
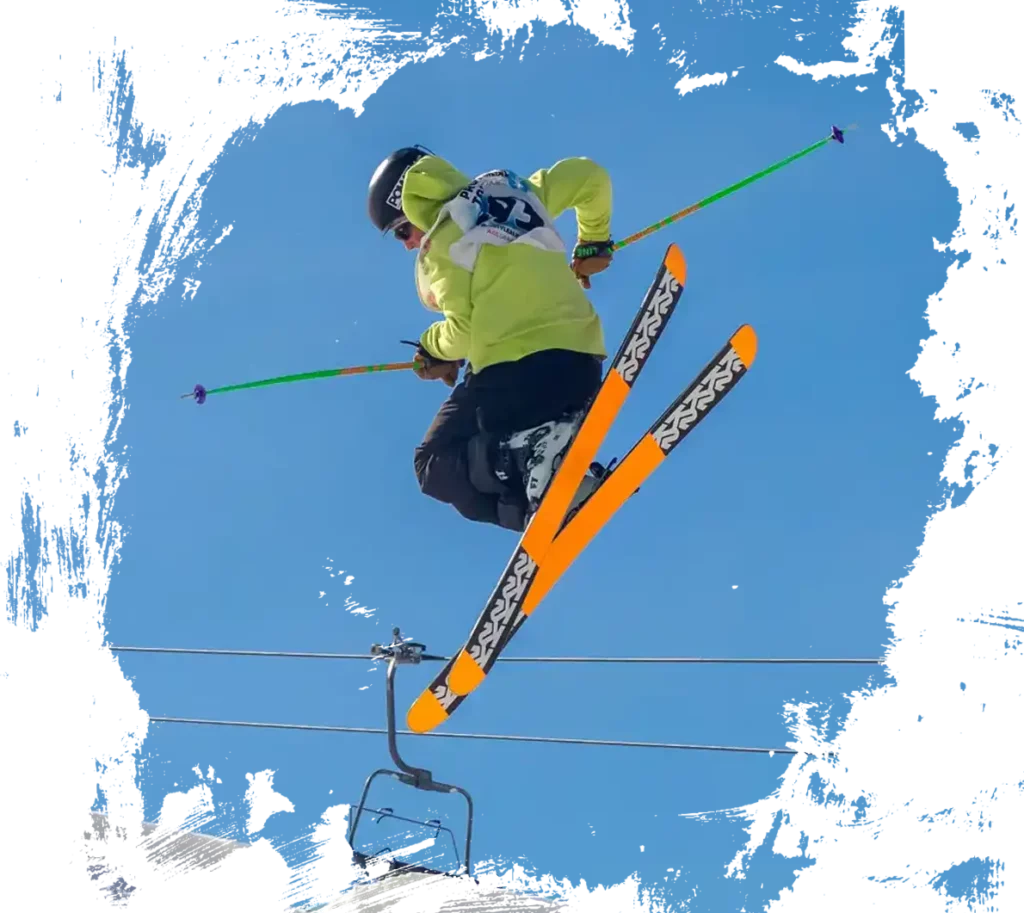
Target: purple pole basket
837, 134
200, 394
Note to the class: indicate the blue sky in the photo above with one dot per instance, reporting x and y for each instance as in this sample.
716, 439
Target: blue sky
807, 489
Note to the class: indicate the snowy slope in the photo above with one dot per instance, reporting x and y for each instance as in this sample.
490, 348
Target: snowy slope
176, 854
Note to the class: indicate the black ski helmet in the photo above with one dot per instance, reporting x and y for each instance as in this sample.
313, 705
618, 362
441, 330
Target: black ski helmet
384, 198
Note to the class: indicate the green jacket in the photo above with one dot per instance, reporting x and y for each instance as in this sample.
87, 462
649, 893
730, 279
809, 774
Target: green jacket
506, 297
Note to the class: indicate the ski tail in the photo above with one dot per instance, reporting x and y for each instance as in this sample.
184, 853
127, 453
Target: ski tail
465, 671
708, 389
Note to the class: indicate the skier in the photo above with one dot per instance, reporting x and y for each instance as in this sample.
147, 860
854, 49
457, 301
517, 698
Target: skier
491, 263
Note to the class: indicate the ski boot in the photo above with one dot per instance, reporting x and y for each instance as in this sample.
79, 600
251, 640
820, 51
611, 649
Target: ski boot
537, 453
517, 467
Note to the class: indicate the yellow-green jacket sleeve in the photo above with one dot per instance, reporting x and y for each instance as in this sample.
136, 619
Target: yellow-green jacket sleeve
580, 184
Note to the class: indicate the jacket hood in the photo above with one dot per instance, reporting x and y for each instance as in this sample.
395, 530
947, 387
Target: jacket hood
429, 184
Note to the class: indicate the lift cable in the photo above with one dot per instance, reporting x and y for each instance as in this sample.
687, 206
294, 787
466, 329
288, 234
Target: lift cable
428, 657
681, 746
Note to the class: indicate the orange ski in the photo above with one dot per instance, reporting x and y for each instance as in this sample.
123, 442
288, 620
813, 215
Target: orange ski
468, 668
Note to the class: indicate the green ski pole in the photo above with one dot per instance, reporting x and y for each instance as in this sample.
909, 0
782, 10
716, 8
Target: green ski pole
199, 393
836, 134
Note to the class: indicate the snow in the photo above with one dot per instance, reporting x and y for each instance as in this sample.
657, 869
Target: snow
172, 852
116, 887
456, 897
176, 854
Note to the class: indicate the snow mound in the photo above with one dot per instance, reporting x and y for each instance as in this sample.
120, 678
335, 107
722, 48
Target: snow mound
176, 854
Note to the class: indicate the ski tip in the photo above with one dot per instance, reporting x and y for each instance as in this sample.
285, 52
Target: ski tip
837, 134
744, 344
466, 674
426, 714
675, 262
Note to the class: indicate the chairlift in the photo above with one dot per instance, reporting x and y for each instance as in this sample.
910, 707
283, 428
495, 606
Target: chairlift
384, 864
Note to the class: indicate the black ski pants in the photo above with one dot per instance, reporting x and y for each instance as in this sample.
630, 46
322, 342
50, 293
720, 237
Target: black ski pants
454, 463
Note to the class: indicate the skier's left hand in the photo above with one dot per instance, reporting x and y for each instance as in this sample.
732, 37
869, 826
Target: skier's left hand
589, 258
426, 367
429, 368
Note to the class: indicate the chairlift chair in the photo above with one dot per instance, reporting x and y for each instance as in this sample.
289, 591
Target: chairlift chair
384, 864
378, 866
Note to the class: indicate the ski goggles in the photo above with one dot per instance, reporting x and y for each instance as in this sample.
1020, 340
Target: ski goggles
403, 230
